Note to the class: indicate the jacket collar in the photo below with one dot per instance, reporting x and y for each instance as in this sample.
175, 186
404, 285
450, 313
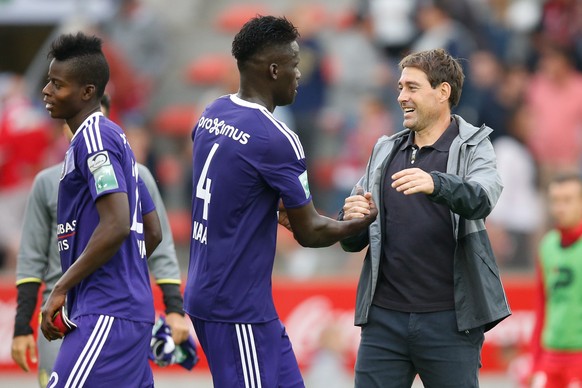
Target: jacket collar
469, 133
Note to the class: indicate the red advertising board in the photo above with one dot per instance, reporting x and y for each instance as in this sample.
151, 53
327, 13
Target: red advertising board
314, 308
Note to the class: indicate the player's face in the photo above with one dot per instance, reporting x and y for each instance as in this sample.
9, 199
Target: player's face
288, 75
565, 199
63, 95
418, 100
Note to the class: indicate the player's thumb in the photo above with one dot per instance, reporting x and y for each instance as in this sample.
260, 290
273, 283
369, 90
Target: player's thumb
359, 190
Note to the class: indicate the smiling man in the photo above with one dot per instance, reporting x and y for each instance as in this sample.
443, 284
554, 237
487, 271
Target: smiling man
429, 286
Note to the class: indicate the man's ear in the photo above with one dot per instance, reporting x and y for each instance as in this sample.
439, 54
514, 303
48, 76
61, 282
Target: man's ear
89, 92
273, 70
445, 91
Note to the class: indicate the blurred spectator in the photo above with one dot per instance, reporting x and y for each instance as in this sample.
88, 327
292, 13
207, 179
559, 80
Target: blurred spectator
391, 24
440, 30
24, 138
493, 92
138, 36
518, 216
561, 23
358, 69
480, 103
555, 99
311, 92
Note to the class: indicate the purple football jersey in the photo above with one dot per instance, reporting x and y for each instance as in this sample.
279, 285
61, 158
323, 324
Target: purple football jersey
98, 162
244, 162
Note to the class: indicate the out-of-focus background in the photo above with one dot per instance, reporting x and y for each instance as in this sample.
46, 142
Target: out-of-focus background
522, 58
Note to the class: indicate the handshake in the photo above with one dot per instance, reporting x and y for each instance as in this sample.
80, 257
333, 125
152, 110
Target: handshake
359, 205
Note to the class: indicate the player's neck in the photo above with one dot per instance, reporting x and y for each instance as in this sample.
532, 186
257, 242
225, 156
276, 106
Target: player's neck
75, 122
255, 98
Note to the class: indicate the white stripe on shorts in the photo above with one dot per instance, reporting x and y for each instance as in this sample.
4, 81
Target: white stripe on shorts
90, 352
248, 355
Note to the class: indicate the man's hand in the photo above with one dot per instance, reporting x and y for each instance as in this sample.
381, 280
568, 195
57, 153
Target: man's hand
413, 181
283, 217
358, 205
53, 304
179, 326
21, 345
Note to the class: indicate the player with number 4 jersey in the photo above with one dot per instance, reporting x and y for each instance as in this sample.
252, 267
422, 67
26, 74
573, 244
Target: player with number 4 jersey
245, 164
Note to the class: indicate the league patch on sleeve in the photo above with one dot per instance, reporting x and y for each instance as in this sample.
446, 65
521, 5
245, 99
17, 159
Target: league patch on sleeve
305, 183
103, 172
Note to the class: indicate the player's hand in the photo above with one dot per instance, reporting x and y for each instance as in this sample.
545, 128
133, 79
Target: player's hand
283, 217
413, 181
53, 304
179, 326
357, 205
21, 346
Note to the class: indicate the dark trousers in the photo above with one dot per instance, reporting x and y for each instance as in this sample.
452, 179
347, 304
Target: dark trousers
396, 346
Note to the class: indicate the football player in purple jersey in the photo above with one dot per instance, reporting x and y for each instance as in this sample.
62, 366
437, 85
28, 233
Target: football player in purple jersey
103, 239
245, 164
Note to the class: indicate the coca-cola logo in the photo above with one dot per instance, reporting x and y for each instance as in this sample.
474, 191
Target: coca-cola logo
316, 323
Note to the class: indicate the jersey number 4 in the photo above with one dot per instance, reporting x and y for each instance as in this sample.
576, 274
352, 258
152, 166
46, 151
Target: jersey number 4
203, 185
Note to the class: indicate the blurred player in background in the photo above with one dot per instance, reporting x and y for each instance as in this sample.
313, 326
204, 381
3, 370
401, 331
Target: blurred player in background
557, 335
244, 163
39, 262
429, 286
102, 236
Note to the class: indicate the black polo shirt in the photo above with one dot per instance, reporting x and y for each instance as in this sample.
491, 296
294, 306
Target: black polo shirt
416, 268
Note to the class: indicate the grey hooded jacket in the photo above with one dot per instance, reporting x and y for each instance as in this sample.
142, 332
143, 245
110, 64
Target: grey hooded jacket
470, 188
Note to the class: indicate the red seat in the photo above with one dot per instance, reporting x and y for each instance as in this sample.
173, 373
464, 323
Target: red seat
176, 120
209, 69
234, 16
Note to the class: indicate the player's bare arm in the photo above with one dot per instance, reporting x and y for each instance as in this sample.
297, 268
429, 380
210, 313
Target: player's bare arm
152, 230
311, 229
413, 181
112, 230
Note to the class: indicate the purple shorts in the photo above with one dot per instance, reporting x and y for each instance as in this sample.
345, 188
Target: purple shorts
257, 355
104, 352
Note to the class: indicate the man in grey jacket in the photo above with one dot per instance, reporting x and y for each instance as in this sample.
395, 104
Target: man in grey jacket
429, 286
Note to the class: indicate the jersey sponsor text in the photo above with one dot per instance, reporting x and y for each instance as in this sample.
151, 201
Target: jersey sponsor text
219, 127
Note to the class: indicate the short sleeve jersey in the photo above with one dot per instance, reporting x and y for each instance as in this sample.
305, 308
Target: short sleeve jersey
244, 162
99, 162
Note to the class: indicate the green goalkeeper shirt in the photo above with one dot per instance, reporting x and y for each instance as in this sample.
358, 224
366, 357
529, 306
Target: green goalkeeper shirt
562, 274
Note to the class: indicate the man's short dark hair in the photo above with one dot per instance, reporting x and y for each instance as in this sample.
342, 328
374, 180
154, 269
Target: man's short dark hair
439, 66
566, 176
88, 61
262, 32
